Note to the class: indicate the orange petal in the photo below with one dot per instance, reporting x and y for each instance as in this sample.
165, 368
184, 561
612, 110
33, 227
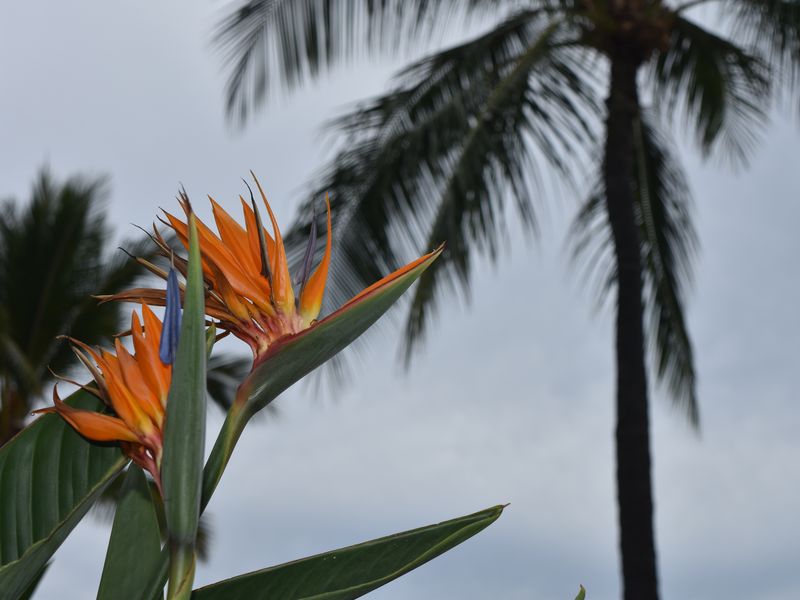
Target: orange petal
146, 346
137, 386
234, 302
143, 354
181, 229
235, 237
311, 298
101, 428
124, 403
213, 250
281, 280
252, 234
392, 276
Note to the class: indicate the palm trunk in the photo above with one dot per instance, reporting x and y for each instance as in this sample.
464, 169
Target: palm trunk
634, 487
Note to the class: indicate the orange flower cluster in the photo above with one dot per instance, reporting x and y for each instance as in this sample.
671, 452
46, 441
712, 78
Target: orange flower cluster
134, 385
249, 288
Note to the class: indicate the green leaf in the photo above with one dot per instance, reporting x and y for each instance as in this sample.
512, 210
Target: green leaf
353, 571
185, 427
581, 594
34, 585
49, 478
135, 544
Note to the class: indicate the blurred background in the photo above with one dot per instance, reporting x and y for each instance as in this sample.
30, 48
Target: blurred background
510, 398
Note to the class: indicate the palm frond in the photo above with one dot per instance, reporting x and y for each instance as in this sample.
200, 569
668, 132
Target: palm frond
721, 89
464, 131
669, 243
772, 27
13, 359
497, 159
273, 43
53, 258
50, 259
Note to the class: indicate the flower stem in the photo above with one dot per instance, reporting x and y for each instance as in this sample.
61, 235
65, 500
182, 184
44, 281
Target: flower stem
181, 571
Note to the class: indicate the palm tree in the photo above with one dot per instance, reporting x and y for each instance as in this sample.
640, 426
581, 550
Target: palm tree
53, 256
469, 128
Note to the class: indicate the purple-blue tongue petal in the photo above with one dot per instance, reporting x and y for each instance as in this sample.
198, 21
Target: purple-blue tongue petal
172, 321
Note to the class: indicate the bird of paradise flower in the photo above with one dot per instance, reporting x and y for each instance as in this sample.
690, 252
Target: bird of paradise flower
135, 386
249, 288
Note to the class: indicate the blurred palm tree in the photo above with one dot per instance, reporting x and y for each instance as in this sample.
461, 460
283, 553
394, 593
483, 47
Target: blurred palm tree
470, 128
53, 257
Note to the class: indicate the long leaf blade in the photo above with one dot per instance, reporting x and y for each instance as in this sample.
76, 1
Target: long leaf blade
353, 571
49, 477
135, 543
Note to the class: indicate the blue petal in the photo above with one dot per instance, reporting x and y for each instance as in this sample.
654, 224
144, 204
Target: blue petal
172, 321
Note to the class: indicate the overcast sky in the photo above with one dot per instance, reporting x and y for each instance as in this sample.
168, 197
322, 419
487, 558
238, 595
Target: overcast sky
511, 401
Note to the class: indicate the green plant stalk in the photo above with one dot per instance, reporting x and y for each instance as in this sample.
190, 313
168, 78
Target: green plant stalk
174, 557
181, 570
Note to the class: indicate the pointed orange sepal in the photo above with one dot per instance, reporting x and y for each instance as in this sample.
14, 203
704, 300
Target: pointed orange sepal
92, 425
281, 280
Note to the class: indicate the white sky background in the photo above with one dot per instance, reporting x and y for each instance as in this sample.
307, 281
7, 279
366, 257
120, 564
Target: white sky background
512, 399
